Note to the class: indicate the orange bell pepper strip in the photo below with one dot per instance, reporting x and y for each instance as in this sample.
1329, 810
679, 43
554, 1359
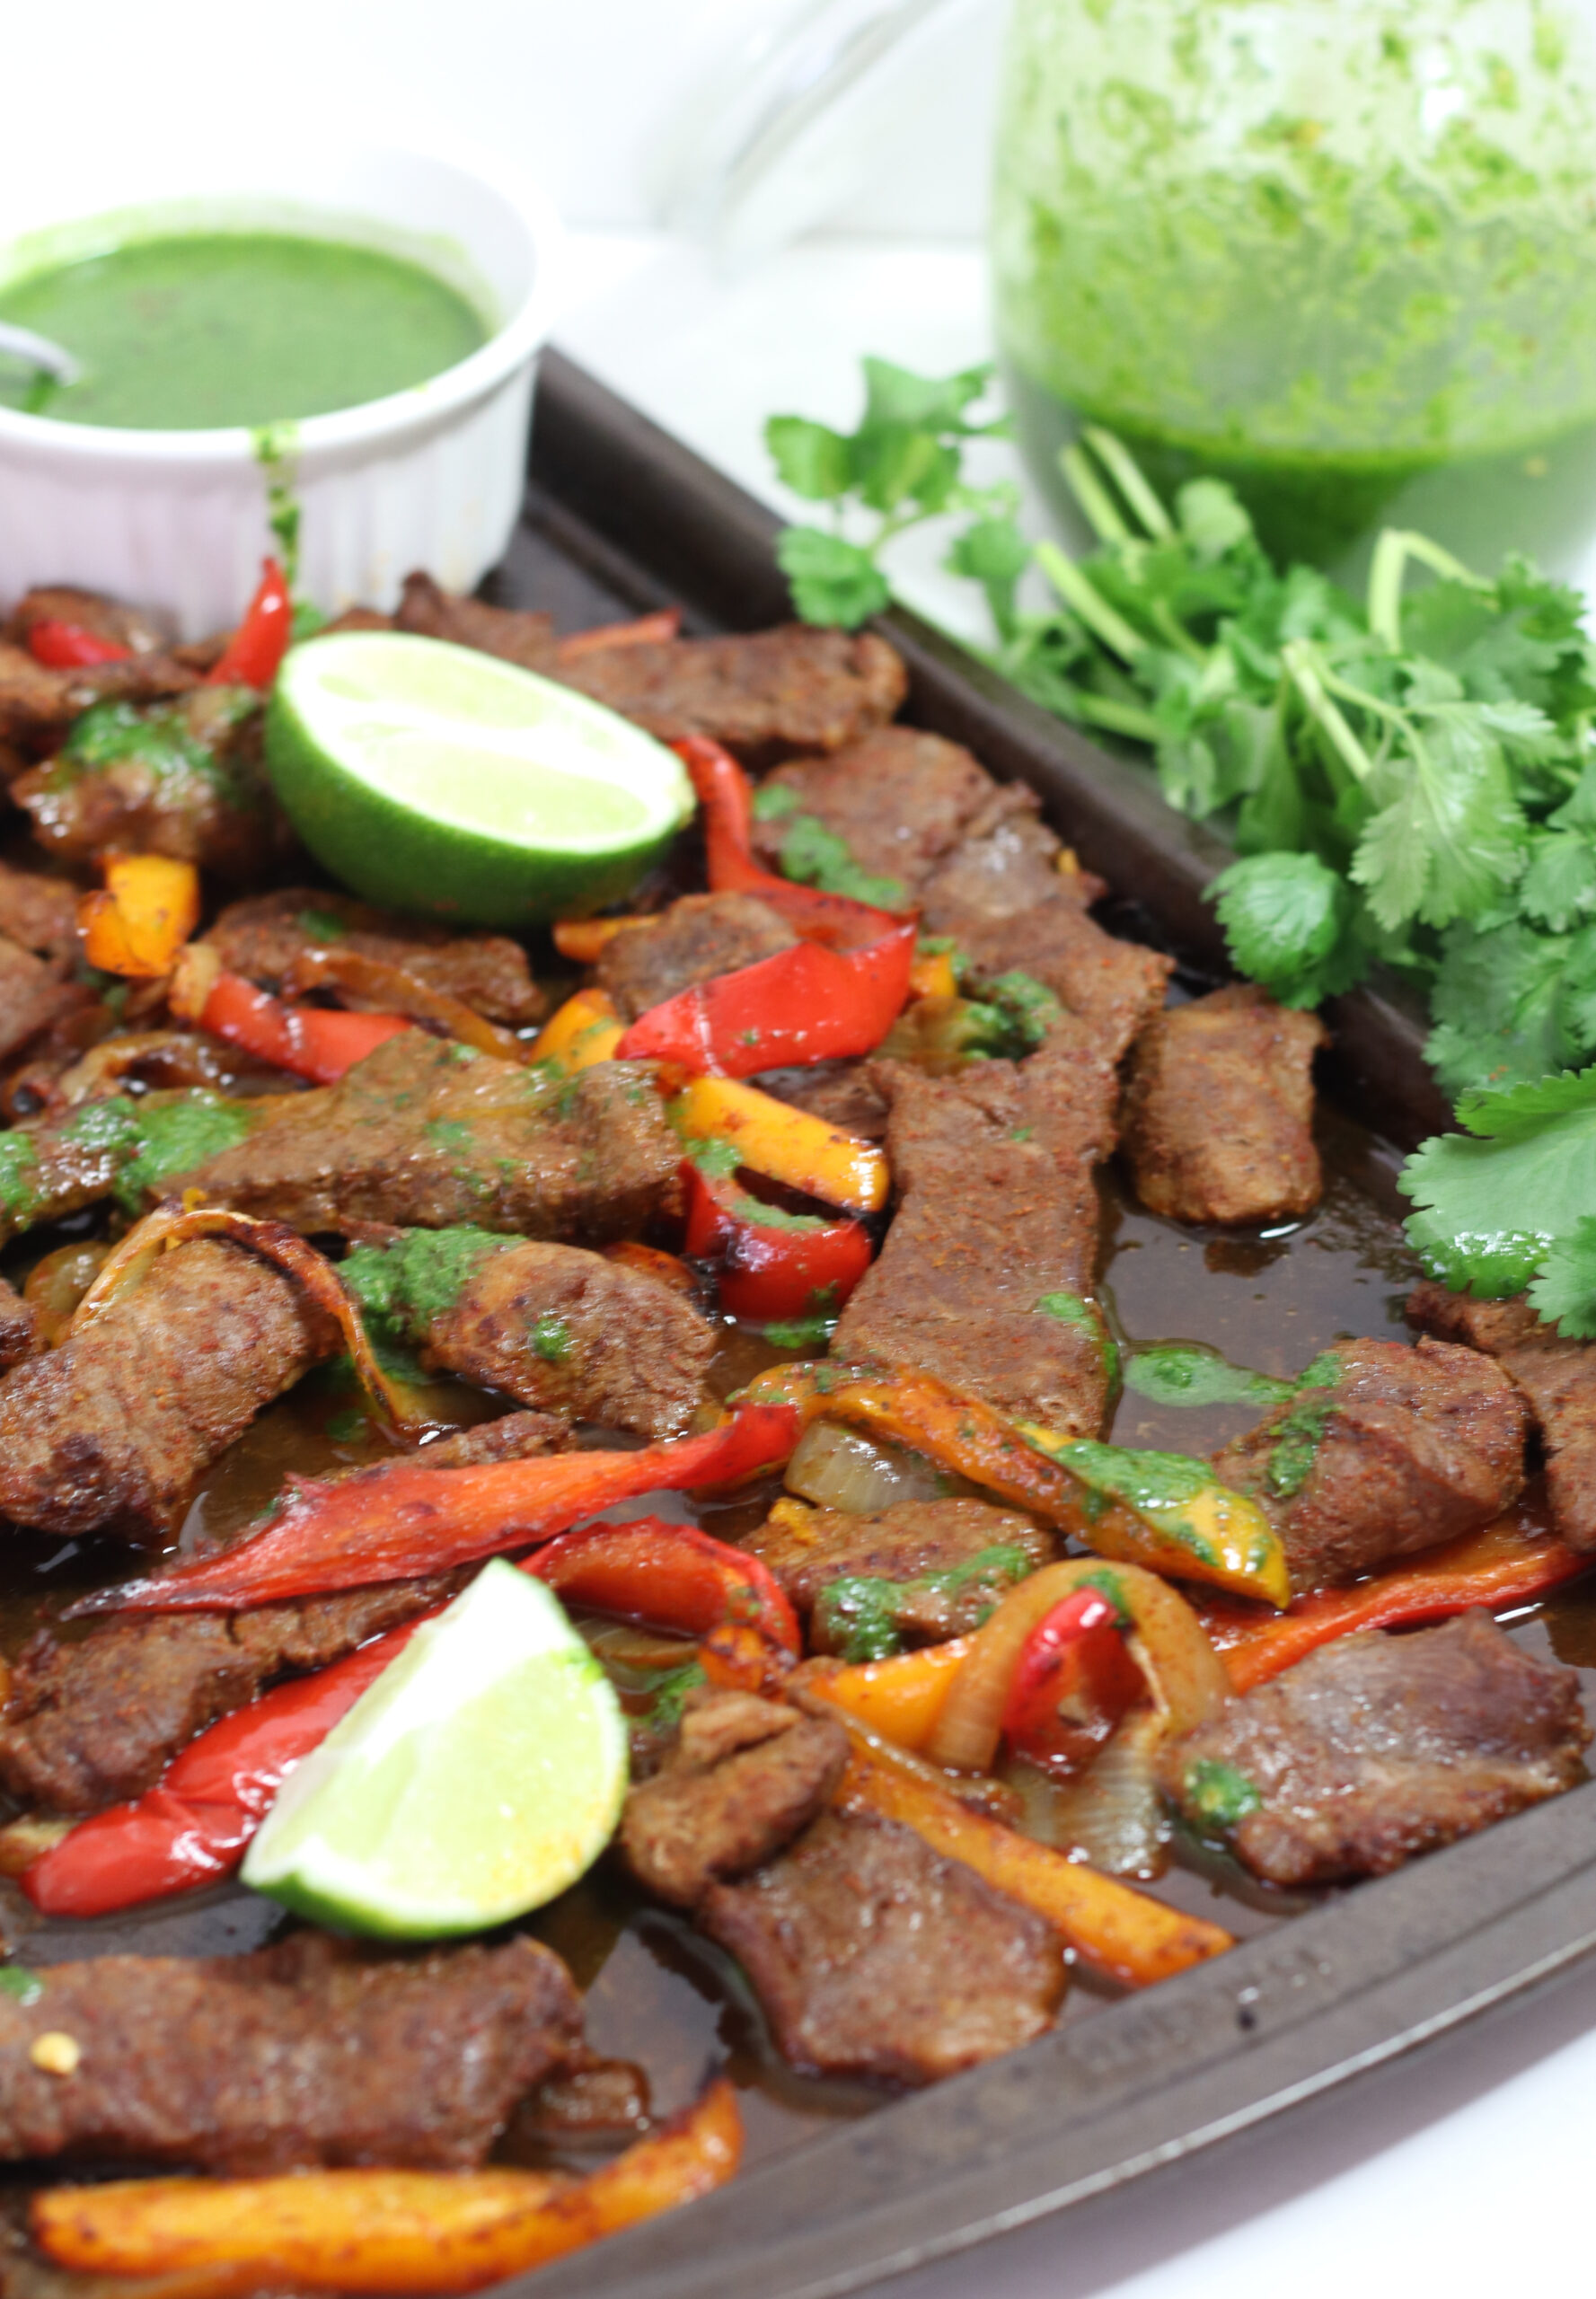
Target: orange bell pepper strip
783, 1143
404, 2232
136, 925
585, 1030
401, 1519
670, 1575
901, 1698
1499, 1566
933, 975
584, 940
1124, 1934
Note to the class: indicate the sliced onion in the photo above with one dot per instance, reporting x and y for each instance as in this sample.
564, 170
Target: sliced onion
1114, 1815
1185, 1673
837, 1469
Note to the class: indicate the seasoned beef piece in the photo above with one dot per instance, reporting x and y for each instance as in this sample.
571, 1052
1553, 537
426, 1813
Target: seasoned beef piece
89, 611
900, 801
526, 638
18, 1327
745, 1777
183, 779
601, 2099
988, 1267
40, 913
1558, 1378
49, 1170
843, 1093
936, 1568
308, 2052
513, 1437
767, 694
38, 705
262, 937
32, 995
427, 1134
874, 1956
1384, 1450
1377, 1748
1218, 1121
1007, 862
108, 1432
355, 619
696, 938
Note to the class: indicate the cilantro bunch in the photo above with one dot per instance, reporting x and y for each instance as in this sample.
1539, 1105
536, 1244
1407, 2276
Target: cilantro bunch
1408, 778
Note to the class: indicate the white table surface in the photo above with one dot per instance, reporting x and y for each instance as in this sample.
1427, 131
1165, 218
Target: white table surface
1465, 2167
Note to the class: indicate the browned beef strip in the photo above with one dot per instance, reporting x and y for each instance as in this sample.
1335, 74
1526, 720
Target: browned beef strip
1558, 1378
38, 706
54, 1168
219, 814
696, 938
513, 1437
32, 995
745, 1777
766, 694
900, 801
309, 2052
40, 913
1388, 1450
572, 1333
914, 1545
105, 618
429, 1134
1380, 1746
18, 1327
874, 1956
517, 637
1218, 1120
988, 1267
261, 936
108, 1432
843, 1093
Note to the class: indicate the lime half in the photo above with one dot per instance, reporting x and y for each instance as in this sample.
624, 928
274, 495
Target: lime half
435, 779
480, 1776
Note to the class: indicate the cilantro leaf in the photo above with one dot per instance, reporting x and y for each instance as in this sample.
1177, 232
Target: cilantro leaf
1498, 1000
1288, 922
810, 458
832, 580
1490, 1209
895, 397
1559, 882
994, 553
1564, 1293
1448, 837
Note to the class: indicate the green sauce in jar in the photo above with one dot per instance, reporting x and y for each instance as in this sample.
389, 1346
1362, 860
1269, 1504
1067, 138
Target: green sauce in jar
1341, 253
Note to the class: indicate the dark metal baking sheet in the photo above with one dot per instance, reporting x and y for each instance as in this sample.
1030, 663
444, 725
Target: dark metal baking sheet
620, 517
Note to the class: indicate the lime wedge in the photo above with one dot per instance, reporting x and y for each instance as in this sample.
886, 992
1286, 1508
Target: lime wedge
480, 1776
431, 778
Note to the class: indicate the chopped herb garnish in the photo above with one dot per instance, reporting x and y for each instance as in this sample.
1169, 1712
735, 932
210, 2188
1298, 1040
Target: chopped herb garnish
1218, 1796
16, 1980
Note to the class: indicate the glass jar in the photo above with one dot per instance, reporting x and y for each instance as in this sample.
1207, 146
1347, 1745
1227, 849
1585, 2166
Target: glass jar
1341, 253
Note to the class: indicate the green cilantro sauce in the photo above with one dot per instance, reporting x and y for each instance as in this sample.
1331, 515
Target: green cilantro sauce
1338, 253
406, 1286
200, 330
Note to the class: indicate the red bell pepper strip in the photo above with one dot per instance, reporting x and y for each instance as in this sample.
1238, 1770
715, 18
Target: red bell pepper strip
402, 1519
671, 1576
1075, 1660
191, 1828
804, 1004
256, 649
727, 797
1495, 1569
315, 1041
69, 646
768, 1273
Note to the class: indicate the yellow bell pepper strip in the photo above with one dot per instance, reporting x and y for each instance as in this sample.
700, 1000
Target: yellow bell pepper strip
586, 1029
783, 1143
1124, 1934
404, 2232
901, 1698
1498, 1566
1158, 1509
933, 975
139, 922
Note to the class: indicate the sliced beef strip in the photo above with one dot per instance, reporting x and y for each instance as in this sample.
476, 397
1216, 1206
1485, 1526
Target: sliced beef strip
874, 1956
427, 1134
696, 938
1379, 1747
569, 1332
310, 2052
1386, 1449
38, 705
38, 913
186, 780
745, 1777
766, 694
516, 637
1558, 1377
18, 1327
260, 938
843, 1093
32, 995
899, 800
988, 1269
51, 1169
108, 1432
915, 1545
1218, 1121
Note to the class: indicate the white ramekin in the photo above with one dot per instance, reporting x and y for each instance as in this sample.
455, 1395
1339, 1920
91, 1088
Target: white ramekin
431, 477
